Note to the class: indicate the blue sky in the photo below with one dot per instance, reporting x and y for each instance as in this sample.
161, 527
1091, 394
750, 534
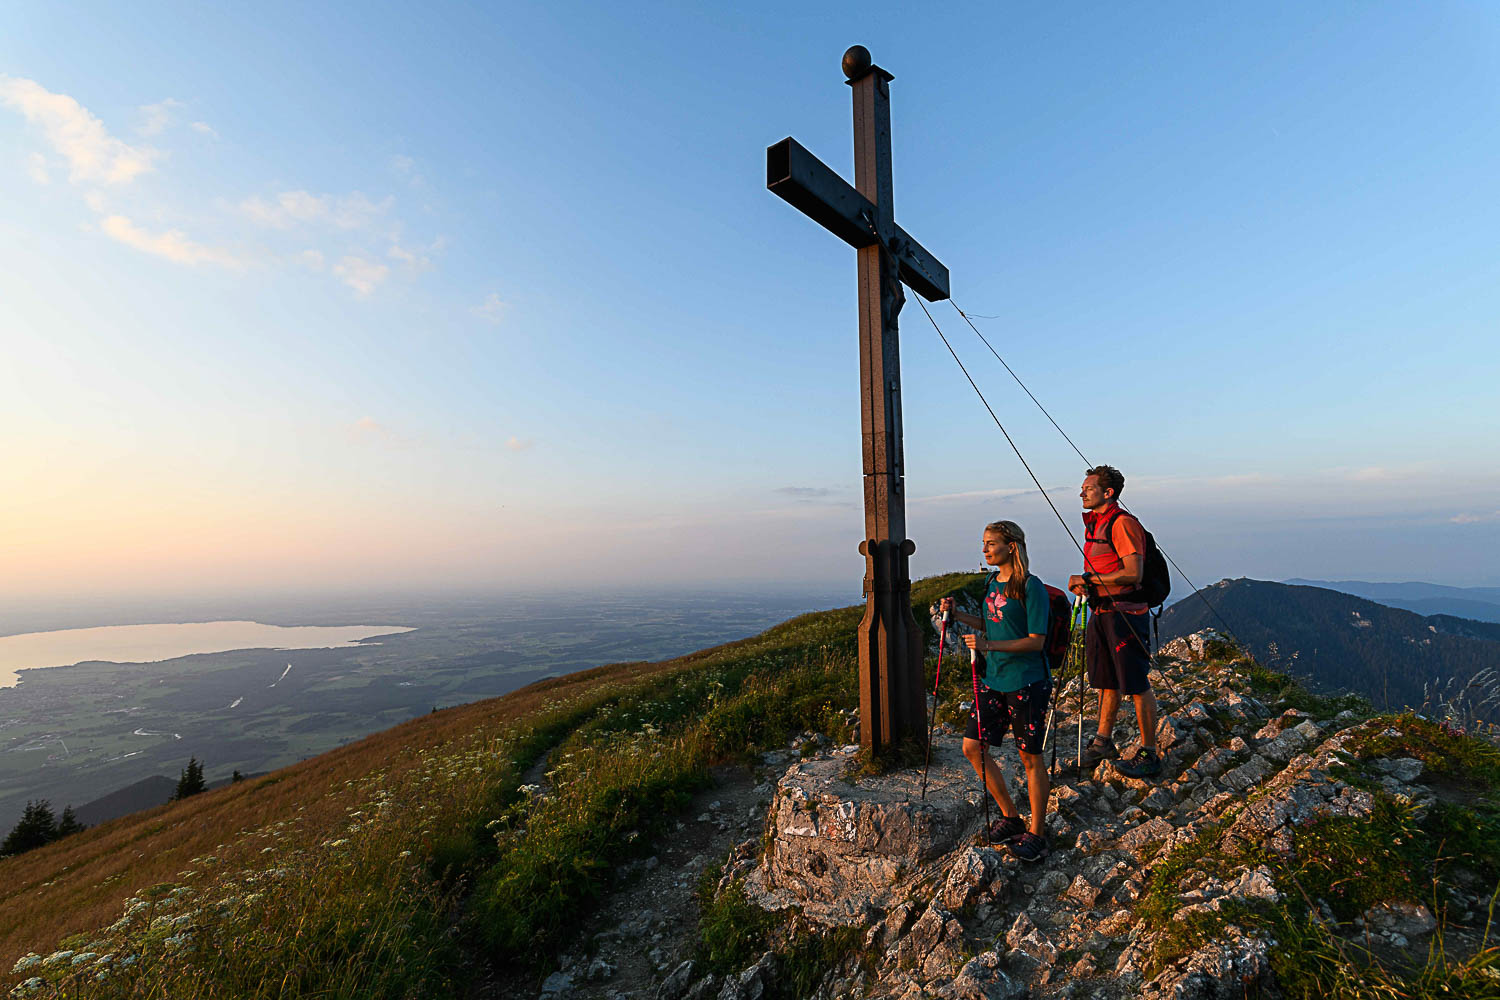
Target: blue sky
363, 296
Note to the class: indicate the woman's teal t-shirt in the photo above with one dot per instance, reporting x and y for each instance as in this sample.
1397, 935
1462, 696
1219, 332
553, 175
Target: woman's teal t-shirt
1008, 619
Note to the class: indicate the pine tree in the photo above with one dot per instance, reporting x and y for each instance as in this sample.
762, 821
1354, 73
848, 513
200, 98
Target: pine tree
236, 777
36, 827
68, 823
191, 781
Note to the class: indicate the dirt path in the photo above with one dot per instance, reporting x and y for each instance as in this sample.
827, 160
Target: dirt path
647, 924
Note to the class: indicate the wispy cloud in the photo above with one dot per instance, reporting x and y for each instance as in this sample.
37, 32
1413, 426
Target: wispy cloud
415, 258
297, 208
367, 428
492, 310
804, 492
361, 274
350, 229
172, 244
1478, 518
92, 154
519, 444
156, 117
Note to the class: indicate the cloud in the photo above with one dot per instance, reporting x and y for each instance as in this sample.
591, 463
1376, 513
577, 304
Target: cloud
519, 444
93, 155
361, 274
312, 259
804, 492
36, 166
156, 117
1384, 473
1493, 515
418, 259
172, 244
492, 309
204, 128
295, 208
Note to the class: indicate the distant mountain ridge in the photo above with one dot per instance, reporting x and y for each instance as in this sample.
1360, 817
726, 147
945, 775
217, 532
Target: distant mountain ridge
1339, 641
1477, 603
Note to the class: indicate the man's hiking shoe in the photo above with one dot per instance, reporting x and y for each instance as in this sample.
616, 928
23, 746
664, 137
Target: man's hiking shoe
1097, 749
1145, 763
1029, 847
1005, 829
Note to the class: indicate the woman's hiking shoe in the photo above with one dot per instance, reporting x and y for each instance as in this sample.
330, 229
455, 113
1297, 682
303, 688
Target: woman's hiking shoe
1097, 749
1005, 829
1145, 763
1029, 847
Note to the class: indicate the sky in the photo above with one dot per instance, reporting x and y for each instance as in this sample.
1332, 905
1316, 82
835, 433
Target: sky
425, 298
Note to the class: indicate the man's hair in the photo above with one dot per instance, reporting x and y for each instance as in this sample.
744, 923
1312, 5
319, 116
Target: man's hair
1110, 478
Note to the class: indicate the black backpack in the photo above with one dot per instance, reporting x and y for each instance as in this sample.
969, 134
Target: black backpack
1156, 581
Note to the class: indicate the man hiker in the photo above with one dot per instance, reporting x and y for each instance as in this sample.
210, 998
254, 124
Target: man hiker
1117, 640
1015, 690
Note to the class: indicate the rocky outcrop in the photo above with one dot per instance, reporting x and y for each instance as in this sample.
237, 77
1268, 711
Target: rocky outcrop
949, 917
842, 848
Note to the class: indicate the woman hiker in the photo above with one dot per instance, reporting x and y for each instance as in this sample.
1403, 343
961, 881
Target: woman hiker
1015, 689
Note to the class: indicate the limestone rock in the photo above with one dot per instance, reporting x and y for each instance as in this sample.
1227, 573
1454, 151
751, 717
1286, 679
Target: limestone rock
1147, 833
1252, 772
556, 986
751, 984
1291, 742
840, 849
969, 878
981, 978
1024, 936
1407, 919
1403, 769
1213, 763
1230, 969
675, 986
1081, 893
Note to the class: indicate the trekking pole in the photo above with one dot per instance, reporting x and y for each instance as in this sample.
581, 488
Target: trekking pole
1071, 659
1083, 669
936, 680
984, 759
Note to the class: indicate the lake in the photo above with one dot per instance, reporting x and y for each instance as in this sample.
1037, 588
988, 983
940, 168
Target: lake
150, 643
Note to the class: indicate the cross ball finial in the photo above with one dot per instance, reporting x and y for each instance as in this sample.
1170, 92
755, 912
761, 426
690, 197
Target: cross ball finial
857, 62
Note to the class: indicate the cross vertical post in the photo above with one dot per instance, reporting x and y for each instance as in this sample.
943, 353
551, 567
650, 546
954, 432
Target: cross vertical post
891, 689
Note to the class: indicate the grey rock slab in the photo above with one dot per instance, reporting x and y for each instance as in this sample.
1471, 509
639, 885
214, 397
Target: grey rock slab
678, 981
1248, 774
839, 848
1397, 917
1403, 769
556, 986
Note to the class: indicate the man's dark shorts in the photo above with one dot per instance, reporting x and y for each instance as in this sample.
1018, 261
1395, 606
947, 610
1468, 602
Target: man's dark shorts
1023, 712
1115, 647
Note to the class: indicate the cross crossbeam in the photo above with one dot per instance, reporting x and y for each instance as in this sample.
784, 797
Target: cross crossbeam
807, 183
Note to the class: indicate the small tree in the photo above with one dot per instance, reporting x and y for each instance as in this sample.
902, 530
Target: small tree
191, 781
68, 823
236, 777
37, 827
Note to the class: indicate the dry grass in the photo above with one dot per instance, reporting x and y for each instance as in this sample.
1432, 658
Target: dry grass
76, 884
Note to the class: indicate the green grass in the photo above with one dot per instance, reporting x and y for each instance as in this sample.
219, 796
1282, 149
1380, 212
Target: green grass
1286, 691
370, 910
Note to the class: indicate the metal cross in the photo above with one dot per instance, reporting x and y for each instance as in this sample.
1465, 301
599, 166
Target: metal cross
891, 690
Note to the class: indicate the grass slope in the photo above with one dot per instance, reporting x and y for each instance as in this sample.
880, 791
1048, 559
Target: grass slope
347, 875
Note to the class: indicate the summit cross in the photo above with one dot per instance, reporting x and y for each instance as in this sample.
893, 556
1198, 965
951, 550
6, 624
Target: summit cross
891, 688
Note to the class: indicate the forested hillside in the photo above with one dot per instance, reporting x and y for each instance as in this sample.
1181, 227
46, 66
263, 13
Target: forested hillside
1336, 641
